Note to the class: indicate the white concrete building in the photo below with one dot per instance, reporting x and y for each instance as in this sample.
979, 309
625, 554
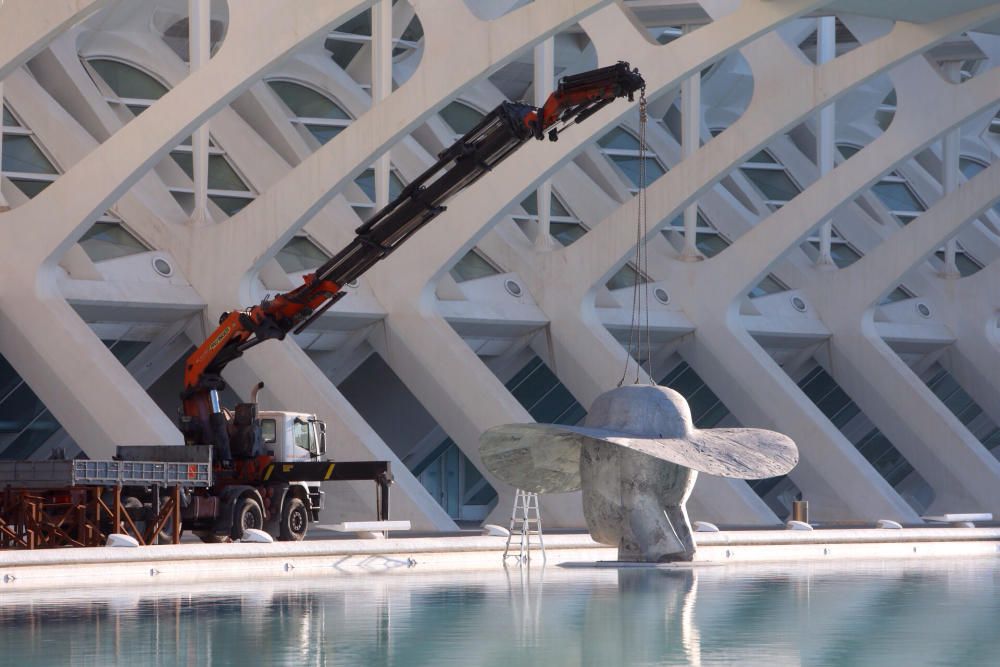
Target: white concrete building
823, 252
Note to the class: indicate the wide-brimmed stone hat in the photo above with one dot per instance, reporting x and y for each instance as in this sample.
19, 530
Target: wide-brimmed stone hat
652, 420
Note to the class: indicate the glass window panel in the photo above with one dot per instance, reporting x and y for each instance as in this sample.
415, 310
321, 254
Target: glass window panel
9, 378
21, 153
306, 102
221, 175
108, 240
185, 161
484, 496
366, 181
414, 31
342, 52
769, 285
620, 139
360, 24
300, 254
774, 184
128, 81
19, 408
897, 196
471, 267
566, 232
630, 166
33, 437
126, 350
8, 118
269, 431
848, 151
530, 205
898, 294
30, 188
300, 435
843, 254
710, 244
323, 133
890, 99
966, 265
557, 208
230, 205
627, 276
969, 167
460, 117
884, 119
763, 157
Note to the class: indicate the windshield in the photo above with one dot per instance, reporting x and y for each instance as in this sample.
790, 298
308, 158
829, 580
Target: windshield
301, 435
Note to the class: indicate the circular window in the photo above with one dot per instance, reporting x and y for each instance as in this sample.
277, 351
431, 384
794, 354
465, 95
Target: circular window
923, 310
163, 267
799, 304
512, 288
661, 295
353, 284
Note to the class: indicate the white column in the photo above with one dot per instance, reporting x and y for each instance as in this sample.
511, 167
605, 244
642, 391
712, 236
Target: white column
199, 51
3, 202
382, 87
949, 180
826, 50
544, 85
690, 142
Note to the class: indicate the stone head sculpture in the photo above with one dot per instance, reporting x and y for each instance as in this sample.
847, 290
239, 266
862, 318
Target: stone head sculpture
636, 459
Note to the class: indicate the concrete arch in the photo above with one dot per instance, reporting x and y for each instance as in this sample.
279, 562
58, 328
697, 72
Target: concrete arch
27, 26
595, 249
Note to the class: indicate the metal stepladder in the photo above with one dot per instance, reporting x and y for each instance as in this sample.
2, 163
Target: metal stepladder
525, 521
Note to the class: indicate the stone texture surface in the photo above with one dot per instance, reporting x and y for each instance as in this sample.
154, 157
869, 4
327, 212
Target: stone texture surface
636, 457
637, 503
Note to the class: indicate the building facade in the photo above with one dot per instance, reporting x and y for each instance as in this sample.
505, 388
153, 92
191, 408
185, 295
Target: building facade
814, 183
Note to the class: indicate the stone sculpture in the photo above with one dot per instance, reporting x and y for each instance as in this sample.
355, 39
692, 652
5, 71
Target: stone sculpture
636, 458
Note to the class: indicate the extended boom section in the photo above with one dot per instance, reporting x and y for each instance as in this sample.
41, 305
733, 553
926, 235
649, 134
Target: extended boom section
494, 139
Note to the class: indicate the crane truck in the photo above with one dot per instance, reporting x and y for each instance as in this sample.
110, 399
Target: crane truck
266, 466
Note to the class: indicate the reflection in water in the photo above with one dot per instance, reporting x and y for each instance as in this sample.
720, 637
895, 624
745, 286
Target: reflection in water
875, 613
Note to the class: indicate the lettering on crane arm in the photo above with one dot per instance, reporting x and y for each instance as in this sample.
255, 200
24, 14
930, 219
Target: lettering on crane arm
218, 339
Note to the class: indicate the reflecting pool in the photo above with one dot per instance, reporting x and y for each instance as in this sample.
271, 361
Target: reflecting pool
882, 613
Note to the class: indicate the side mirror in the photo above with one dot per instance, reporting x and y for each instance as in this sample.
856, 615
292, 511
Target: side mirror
322, 438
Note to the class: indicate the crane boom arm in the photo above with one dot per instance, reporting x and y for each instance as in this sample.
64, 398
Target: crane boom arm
500, 133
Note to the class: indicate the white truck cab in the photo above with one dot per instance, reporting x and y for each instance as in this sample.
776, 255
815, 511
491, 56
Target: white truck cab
296, 437
293, 436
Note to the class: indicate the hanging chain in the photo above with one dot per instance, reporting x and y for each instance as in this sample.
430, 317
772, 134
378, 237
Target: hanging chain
640, 290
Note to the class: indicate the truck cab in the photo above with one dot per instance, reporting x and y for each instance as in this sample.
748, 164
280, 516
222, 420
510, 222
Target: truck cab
293, 436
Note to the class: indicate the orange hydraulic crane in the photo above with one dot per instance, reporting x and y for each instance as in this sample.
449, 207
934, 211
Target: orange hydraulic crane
497, 136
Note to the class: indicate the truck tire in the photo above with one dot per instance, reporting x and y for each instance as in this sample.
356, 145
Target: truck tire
294, 521
248, 514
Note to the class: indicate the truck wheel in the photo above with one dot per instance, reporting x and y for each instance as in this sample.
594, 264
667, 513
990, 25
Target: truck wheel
294, 521
248, 515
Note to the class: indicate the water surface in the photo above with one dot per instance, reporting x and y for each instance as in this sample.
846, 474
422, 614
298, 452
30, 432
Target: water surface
891, 613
